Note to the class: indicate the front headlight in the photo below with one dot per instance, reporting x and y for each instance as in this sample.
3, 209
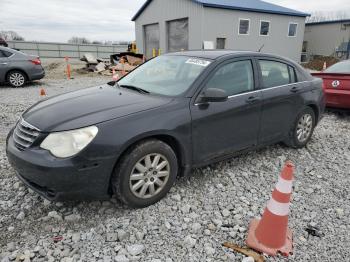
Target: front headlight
68, 143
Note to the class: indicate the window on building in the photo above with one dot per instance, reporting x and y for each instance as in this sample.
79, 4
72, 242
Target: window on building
178, 35
275, 73
234, 78
244, 25
264, 28
292, 30
220, 43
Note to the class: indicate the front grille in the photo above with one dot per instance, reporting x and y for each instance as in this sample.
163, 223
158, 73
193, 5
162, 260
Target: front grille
24, 135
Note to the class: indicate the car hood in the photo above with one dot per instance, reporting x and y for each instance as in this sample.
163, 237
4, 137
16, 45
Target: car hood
88, 107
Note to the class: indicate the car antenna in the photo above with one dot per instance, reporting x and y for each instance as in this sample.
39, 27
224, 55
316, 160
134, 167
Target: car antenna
261, 48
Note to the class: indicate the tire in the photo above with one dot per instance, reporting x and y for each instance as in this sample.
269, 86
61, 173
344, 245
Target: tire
302, 129
139, 192
16, 78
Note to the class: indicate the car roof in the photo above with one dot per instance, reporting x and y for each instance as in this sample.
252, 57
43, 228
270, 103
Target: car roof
217, 54
3, 48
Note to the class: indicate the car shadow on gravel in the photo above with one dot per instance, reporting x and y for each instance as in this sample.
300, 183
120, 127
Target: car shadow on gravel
38, 83
340, 113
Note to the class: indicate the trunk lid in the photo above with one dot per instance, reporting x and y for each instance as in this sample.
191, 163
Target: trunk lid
334, 80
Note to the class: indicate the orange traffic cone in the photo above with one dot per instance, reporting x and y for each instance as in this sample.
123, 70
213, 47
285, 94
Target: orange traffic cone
271, 235
324, 65
42, 93
115, 76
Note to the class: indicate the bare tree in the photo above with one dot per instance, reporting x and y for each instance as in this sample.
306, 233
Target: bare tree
319, 16
78, 40
11, 35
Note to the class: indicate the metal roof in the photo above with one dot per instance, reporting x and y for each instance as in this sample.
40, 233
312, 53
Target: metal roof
241, 5
329, 22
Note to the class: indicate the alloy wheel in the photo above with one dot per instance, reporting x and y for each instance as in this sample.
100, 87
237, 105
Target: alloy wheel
149, 176
304, 128
17, 79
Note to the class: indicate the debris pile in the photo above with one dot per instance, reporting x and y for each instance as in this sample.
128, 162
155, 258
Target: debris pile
317, 62
121, 63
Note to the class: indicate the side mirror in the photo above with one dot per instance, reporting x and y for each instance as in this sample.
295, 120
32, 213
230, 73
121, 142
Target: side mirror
213, 95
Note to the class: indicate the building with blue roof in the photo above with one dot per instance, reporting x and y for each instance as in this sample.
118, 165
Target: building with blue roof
174, 25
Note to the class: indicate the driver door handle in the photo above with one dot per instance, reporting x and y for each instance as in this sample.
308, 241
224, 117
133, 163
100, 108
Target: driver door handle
253, 99
295, 89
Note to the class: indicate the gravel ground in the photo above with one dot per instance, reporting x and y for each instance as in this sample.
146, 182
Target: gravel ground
213, 205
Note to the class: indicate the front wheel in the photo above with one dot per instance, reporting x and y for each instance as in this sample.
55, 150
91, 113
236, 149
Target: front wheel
302, 129
145, 174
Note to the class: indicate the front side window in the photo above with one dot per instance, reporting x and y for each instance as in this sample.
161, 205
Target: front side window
292, 30
234, 78
166, 75
275, 73
244, 25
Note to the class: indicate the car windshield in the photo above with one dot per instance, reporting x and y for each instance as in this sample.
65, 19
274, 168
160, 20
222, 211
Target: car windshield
166, 75
341, 67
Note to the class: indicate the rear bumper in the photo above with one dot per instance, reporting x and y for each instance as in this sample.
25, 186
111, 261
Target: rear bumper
61, 179
37, 74
338, 98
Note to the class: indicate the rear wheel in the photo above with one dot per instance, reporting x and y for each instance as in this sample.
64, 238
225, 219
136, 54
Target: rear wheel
145, 174
16, 78
302, 129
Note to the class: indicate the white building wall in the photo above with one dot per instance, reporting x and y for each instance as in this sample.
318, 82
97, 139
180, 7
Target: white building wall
225, 23
207, 24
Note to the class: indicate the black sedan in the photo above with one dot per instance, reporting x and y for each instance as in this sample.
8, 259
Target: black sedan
178, 111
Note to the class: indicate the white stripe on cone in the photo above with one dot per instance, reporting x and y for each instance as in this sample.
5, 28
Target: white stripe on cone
284, 186
277, 208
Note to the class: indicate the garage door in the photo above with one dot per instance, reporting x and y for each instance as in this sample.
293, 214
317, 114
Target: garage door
151, 36
177, 35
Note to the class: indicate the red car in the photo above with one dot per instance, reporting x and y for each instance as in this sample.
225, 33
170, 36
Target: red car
336, 84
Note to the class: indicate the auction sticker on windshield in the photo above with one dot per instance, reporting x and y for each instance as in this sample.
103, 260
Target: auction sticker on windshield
198, 62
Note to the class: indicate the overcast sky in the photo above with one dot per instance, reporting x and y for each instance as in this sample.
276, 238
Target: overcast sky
58, 20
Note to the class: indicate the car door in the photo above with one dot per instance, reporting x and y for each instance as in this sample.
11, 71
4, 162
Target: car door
279, 94
4, 65
220, 128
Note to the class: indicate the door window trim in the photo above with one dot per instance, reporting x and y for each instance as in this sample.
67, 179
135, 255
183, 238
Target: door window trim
218, 66
261, 86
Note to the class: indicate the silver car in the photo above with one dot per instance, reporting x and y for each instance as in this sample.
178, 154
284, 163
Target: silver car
17, 68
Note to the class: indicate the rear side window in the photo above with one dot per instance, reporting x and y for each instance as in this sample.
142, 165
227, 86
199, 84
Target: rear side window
234, 78
5, 53
276, 74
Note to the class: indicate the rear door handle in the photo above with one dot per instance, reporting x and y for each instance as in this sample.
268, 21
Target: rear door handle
295, 89
253, 99
3, 63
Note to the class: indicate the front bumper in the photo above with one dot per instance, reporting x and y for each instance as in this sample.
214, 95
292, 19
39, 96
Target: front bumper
76, 178
338, 98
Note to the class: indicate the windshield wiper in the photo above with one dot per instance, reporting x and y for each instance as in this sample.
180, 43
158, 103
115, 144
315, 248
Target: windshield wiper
138, 89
